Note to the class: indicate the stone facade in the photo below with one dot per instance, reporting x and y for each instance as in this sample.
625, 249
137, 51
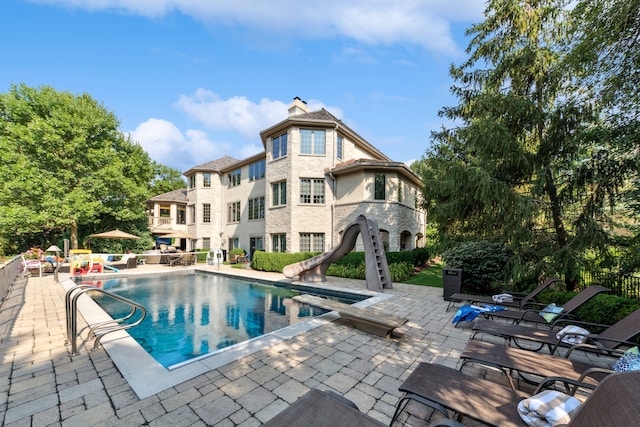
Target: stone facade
303, 196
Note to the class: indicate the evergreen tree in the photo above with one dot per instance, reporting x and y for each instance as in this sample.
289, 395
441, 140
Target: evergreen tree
529, 160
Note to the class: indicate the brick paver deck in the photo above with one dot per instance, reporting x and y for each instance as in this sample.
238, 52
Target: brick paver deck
42, 385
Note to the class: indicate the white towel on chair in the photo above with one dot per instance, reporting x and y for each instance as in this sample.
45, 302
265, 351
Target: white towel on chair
500, 298
572, 334
548, 408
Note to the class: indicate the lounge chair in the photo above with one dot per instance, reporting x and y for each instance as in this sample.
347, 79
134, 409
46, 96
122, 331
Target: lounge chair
185, 259
613, 402
533, 316
612, 337
127, 261
519, 303
530, 365
322, 409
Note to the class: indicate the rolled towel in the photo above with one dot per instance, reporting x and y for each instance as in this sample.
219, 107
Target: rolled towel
548, 408
572, 334
500, 298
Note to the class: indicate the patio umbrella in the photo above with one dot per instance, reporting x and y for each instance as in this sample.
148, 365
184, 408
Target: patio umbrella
114, 234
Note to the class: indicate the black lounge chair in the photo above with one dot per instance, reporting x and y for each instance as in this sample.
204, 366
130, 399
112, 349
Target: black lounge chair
518, 303
613, 401
533, 316
529, 365
612, 337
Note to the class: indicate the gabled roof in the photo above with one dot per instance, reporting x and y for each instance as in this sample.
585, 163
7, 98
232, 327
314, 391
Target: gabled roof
179, 196
213, 166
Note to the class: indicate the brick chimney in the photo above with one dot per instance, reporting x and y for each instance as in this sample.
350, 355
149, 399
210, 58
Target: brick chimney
297, 107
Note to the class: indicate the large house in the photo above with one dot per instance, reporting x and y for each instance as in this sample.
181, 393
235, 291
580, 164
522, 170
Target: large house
315, 176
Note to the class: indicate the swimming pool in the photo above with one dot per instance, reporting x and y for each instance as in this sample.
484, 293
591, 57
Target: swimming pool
193, 315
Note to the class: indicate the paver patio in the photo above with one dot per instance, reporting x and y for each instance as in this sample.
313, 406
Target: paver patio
42, 385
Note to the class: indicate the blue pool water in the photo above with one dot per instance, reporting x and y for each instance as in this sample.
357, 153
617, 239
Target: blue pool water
190, 315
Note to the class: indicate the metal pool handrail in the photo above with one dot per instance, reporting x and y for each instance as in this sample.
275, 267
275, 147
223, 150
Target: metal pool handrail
100, 329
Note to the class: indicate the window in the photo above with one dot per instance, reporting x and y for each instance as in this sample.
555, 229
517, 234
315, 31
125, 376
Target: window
192, 181
234, 178
234, 243
256, 170
165, 211
379, 187
279, 146
278, 242
311, 242
279, 193
206, 243
206, 213
312, 141
233, 212
311, 191
206, 180
340, 148
400, 191
192, 214
256, 208
182, 216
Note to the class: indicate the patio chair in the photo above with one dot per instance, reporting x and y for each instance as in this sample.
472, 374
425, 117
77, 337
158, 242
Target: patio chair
447, 390
612, 337
322, 409
185, 259
533, 316
519, 303
31, 264
529, 365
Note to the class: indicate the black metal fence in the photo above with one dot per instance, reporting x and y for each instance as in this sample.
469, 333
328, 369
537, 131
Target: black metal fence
623, 285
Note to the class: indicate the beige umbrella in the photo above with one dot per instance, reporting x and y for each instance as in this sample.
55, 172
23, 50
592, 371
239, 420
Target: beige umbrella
114, 234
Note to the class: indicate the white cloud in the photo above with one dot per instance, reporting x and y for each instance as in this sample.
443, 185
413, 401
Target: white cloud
167, 145
420, 22
237, 113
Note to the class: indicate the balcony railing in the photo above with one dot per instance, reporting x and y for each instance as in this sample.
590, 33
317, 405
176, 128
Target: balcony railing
156, 221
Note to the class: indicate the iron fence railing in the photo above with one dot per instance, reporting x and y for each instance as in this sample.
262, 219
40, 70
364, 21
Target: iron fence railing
624, 285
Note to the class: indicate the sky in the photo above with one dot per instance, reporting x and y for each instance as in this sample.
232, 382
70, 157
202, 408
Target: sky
195, 80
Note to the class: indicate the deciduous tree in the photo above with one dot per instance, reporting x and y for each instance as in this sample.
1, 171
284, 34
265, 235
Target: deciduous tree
65, 164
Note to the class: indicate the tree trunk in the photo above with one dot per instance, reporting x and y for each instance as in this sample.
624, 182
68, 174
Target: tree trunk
74, 235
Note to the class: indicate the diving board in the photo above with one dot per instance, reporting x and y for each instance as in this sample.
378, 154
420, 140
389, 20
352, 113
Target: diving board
367, 319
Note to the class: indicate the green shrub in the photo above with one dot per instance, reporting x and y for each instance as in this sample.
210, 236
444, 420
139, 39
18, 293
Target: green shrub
236, 251
277, 261
420, 256
484, 265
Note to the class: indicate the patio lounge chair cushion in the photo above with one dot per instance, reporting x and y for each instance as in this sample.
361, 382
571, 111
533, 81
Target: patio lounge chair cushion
629, 361
548, 408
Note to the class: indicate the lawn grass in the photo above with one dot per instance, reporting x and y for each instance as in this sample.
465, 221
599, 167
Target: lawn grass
431, 276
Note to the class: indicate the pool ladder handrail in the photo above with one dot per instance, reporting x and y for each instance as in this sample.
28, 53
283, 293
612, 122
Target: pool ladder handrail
100, 329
